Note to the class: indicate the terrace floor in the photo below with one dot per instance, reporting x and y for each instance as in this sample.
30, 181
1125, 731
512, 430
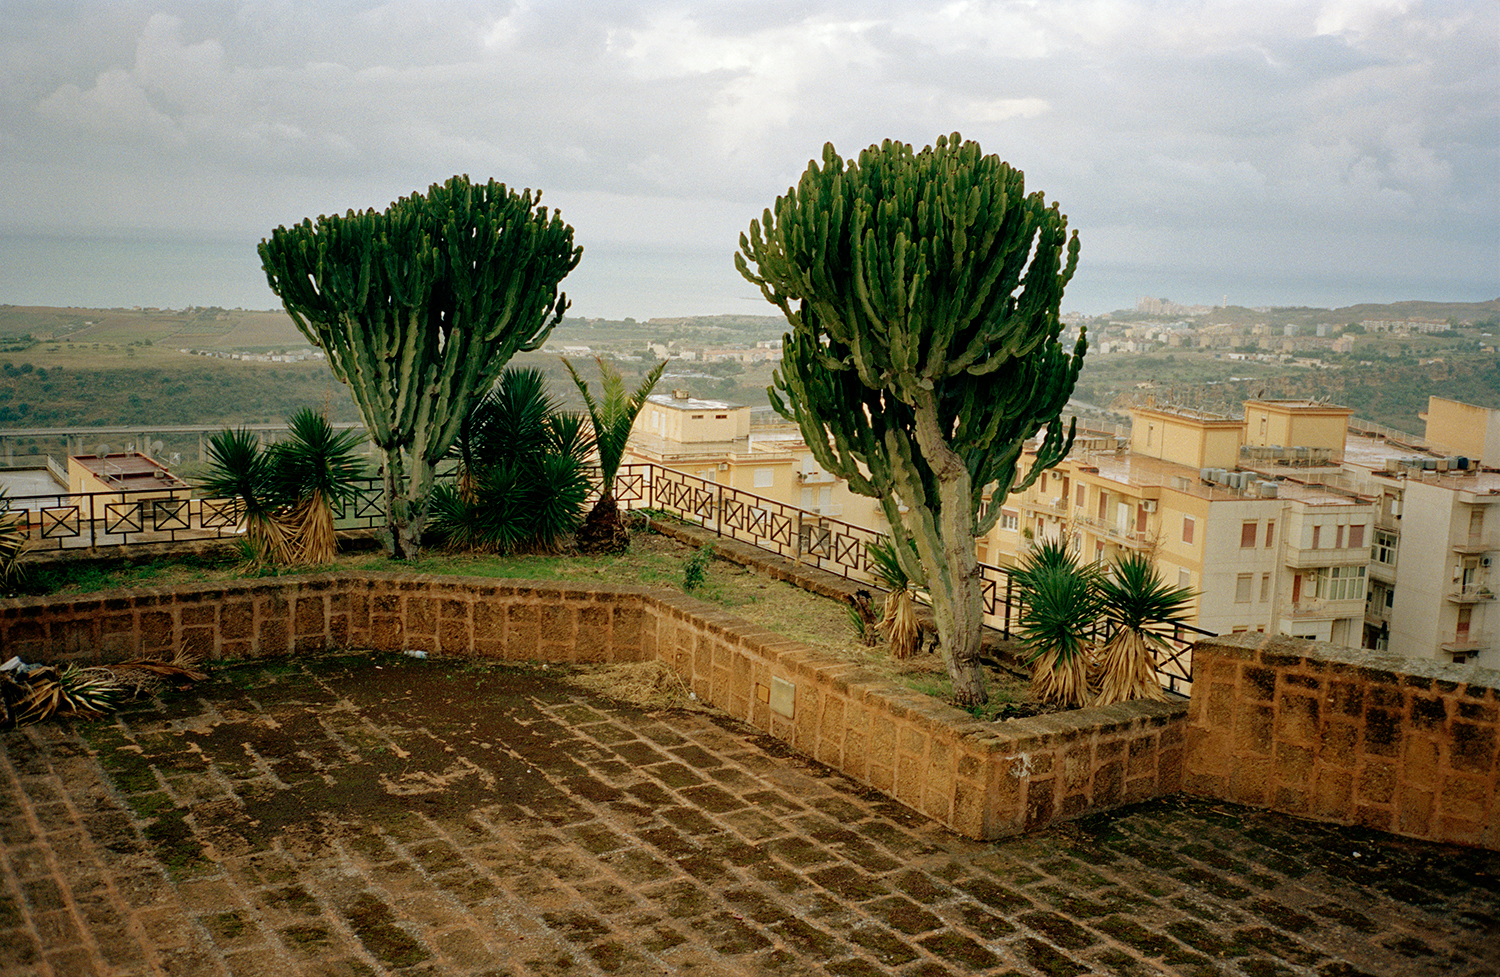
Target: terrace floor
373, 815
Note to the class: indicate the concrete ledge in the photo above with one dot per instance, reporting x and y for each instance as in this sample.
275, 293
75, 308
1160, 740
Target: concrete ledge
983, 780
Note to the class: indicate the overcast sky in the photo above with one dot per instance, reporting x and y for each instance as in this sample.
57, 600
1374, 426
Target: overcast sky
1271, 152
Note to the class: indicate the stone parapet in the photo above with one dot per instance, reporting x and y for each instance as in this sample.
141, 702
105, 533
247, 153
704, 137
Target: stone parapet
1402, 745
983, 780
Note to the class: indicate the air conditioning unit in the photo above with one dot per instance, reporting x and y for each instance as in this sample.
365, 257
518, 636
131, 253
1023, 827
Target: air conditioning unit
1149, 505
1484, 561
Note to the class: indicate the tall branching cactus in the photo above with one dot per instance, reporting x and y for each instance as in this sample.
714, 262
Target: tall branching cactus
923, 291
419, 307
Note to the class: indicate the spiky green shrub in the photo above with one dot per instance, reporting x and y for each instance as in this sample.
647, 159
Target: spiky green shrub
899, 624
1141, 609
523, 476
238, 469
1059, 612
310, 472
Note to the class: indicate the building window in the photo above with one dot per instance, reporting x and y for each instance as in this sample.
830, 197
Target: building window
1385, 548
1079, 501
1342, 583
1270, 533
1248, 532
1265, 587
1187, 529
1242, 585
696, 417
1338, 538
765, 477
1356, 536
1008, 520
721, 417
1184, 577
1317, 541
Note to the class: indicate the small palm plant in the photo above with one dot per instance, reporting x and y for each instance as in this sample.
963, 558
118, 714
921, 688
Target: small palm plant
1060, 607
899, 624
1139, 606
523, 481
310, 473
612, 415
238, 469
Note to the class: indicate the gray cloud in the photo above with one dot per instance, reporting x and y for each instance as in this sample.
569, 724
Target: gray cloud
1339, 147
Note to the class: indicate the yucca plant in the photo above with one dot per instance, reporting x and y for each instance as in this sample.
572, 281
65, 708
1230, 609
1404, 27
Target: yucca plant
899, 623
612, 416
1139, 606
14, 541
1060, 609
238, 469
523, 480
309, 474
87, 691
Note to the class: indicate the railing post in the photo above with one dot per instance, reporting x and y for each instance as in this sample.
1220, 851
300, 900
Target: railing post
718, 509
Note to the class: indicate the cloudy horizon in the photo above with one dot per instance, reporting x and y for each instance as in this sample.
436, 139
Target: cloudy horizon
1283, 153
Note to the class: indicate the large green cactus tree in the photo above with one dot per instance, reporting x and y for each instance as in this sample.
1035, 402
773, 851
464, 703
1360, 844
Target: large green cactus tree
419, 308
922, 289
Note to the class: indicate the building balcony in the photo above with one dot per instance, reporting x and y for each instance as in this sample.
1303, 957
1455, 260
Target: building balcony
1327, 610
1467, 644
1476, 545
1391, 524
1119, 535
817, 478
1475, 594
1299, 559
1384, 572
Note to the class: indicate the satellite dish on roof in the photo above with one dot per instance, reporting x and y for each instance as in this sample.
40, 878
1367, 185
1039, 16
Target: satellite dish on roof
153, 448
100, 450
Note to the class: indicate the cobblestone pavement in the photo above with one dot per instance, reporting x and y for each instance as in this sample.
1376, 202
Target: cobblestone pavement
371, 816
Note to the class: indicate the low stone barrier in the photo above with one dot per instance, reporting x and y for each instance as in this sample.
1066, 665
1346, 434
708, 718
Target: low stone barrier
983, 780
1402, 745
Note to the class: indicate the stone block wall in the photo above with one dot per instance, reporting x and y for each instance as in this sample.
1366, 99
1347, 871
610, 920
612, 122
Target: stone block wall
983, 780
1402, 745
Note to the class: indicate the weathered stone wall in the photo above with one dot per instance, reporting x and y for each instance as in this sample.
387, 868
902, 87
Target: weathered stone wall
1398, 744
984, 780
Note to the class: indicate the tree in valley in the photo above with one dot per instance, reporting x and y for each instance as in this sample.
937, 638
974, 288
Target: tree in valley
923, 291
418, 308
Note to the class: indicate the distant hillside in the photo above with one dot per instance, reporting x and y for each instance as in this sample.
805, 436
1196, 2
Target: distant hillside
197, 328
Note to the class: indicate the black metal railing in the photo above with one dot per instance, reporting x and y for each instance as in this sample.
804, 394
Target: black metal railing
63, 521
79, 520
842, 548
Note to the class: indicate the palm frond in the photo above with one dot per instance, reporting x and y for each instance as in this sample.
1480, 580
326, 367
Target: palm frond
238, 469
614, 415
315, 460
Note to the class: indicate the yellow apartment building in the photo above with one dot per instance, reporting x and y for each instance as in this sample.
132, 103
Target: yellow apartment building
1283, 521
1287, 555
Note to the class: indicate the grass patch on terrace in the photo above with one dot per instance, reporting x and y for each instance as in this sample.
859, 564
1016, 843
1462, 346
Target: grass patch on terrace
654, 560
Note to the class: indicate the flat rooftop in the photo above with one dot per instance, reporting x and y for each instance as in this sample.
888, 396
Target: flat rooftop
375, 814
1143, 471
129, 470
